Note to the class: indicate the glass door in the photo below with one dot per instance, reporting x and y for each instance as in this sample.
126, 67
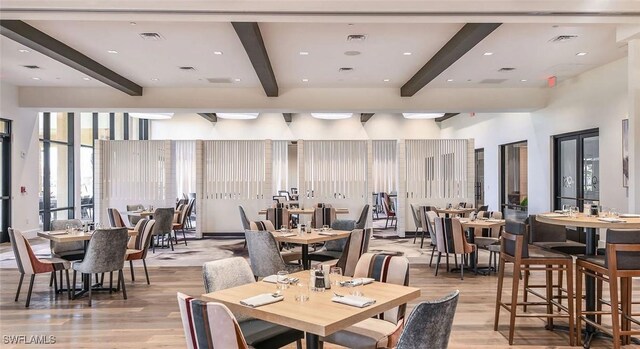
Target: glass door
5, 178
479, 157
514, 197
577, 169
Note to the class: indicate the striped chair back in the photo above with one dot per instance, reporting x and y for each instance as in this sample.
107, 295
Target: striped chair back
495, 232
353, 249
209, 325
453, 233
324, 215
278, 216
27, 261
386, 268
115, 219
261, 226
181, 214
142, 240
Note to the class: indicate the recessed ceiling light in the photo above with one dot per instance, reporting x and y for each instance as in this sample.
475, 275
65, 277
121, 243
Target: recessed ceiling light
305, 80
386, 80
36, 78
217, 53
449, 80
422, 115
23, 50
238, 116
303, 53
407, 53
331, 116
133, 23
523, 80
86, 79
581, 54
112, 51
488, 54
152, 116
236, 80
352, 53
155, 79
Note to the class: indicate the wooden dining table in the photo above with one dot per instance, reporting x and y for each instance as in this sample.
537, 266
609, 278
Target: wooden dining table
306, 211
305, 239
590, 224
479, 224
319, 316
455, 211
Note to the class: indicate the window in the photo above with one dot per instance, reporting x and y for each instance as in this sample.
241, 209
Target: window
56, 164
479, 160
576, 169
87, 122
514, 180
5, 177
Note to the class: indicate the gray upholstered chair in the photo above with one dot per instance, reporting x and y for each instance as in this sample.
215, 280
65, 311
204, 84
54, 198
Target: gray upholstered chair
415, 213
356, 245
163, 226
288, 254
231, 272
132, 218
376, 332
552, 237
245, 222
362, 220
70, 251
333, 249
427, 220
429, 324
455, 242
105, 254
264, 254
138, 245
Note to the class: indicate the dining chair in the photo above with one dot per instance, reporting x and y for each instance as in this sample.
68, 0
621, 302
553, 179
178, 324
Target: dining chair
287, 252
163, 227
115, 219
429, 324
324, 214
362, 220
231, 272
427, 221
454, 242
264, 254
526, 258
70, 251
133, 219
138, 246
389, 211
618, 267
354, 248
190, 205
332, 249
179, 219
383, 330
415, 213
209, 325
279, 216
29, 264
488, 236
105, 254
482, 208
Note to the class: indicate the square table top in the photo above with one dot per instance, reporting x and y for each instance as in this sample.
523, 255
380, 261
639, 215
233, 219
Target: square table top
63, 236
455, 210
307, 211
482, 223
310, 238
319, 315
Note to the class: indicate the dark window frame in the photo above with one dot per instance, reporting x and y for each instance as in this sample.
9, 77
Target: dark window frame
503, 183
5, 139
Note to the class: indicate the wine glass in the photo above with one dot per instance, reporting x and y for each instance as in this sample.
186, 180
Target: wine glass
282, 280
335, 275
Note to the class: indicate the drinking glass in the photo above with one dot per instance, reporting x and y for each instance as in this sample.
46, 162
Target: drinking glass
68, 230
283, 228
614, 213
282, 280
335, 274
356, 287
325, 228
301, 292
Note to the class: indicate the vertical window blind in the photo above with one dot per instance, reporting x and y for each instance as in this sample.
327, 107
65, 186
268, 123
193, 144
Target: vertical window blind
233, 170
436, 168
280, 162
185, 165
385, 166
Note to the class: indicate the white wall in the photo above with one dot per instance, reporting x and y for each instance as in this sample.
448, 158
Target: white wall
595, 99
25, 153
303, 126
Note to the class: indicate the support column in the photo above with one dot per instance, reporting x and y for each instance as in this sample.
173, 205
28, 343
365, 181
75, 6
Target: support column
402, 188
633, 75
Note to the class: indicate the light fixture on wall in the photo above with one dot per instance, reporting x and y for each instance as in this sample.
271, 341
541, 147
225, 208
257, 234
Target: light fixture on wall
238, 116
152, 116
422, 115
331, 116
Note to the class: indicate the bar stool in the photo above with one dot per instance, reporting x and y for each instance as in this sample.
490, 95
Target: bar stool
525, 259
620, 263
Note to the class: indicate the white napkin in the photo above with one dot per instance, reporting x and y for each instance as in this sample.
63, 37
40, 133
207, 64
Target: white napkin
261, 299
357, 282
612, 220
58, 233
630, 215
272, 279
493, 220
354, 301
288, 234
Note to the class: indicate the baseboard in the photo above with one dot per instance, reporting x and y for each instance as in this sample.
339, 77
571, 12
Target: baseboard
224, 235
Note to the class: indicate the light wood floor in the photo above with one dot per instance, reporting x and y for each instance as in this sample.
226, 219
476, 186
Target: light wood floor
150, 317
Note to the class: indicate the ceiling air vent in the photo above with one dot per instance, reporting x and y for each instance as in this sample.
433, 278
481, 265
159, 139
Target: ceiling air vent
563, 38
356, 37
345, 69
506, 69
31, 66
151, 36
187, 68
219, 80
492, 81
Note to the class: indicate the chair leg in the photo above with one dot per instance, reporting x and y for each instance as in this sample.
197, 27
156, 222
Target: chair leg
514, 301
90, 293
386, 223
66, 271
438, 262
146, 273
133, 277
60, 278
549, 295
19, 286
110, 282
496, 317
615, 315
570, 303
74, 284
578, 305
51, 280
184, 237
170, 241
525, 294
33, 276
55, 281
422, 239
121, 281
433, 251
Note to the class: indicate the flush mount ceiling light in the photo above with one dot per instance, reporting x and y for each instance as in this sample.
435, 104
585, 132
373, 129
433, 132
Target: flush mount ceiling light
331, 116
238, 116
112, 52
152, 116
303, 53
581, 54
488, 54
422, 115
217, 53
22, 50
407, 53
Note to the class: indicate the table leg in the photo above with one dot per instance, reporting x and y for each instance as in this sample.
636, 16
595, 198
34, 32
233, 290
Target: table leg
305, 257
313, 341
